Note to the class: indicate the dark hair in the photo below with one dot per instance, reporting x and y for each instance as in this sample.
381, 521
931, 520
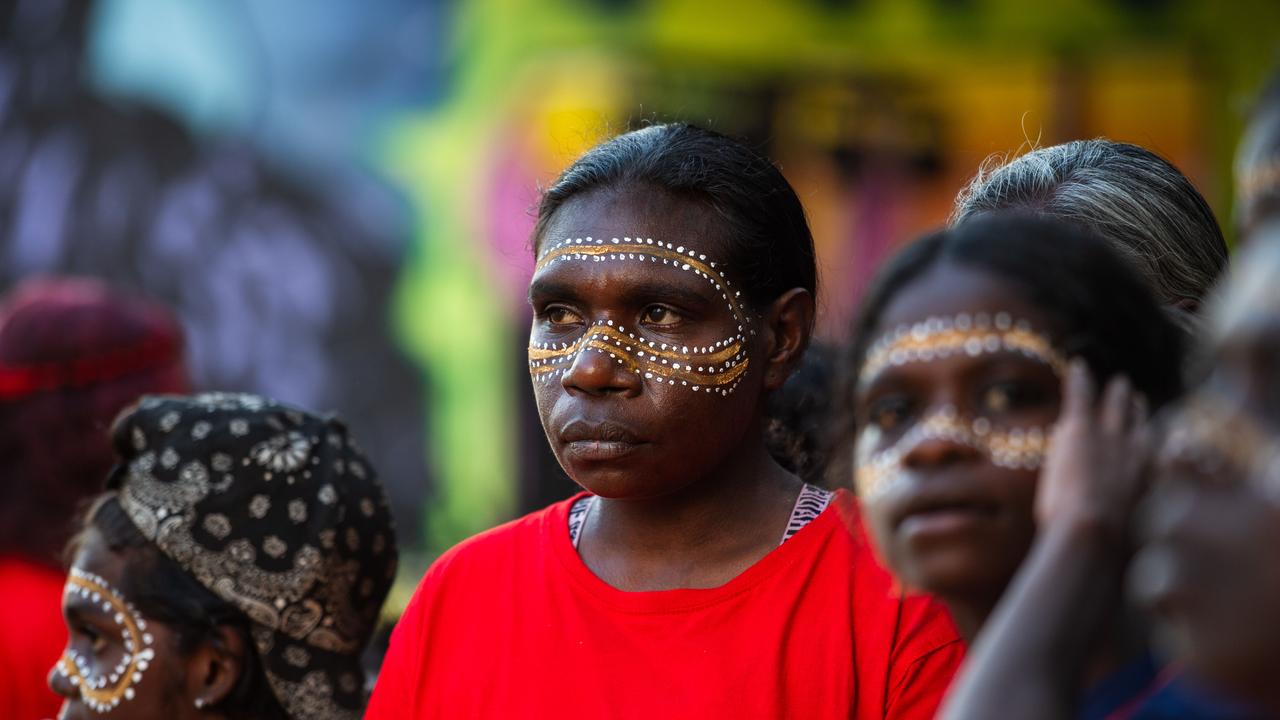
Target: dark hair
772, 247
162, 591
1104, 312
1128, 195
798, 429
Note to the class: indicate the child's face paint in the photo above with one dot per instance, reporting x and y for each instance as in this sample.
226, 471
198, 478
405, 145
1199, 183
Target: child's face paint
107, 671
1017, 448
936, 338
954, 414
714, 367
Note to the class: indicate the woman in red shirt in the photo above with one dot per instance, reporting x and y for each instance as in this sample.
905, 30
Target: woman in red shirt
673, 292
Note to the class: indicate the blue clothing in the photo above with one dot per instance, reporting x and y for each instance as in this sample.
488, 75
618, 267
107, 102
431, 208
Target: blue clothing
1143, 690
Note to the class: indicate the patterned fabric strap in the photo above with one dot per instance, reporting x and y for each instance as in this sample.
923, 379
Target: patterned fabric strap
809, 505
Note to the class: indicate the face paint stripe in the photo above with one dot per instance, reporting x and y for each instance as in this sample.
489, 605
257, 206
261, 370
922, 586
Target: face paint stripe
936, 338
876, 471
1224, 445
621, 249
642, 347
102, 692
710, 368
682, 371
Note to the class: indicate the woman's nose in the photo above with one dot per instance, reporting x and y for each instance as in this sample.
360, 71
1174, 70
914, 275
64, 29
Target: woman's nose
937, 451
944, 437
597, 372
60, 684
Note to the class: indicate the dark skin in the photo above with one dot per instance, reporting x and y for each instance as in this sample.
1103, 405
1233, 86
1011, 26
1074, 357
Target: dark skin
958, 526
1257, 206
689, 496
1056, 629
172, 683
984, 538
1208, 566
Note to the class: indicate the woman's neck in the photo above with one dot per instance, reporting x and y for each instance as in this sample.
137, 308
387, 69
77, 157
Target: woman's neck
700, 537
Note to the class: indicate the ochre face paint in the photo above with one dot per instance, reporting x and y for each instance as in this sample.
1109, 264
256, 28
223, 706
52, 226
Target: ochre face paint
717, 367
713, 368
936, 338
104, 691
1225, 446
1018, 448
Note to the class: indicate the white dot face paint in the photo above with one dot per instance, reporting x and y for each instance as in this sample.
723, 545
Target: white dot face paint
716, 367
877, 472
936, 338
102, 690
1224, 446
879, 469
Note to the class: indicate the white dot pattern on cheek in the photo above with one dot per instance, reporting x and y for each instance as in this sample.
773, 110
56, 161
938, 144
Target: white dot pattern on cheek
877, 472
103, 692
715, 368
936, 338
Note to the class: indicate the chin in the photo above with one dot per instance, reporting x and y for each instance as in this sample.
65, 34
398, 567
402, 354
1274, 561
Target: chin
628, 484
956, 572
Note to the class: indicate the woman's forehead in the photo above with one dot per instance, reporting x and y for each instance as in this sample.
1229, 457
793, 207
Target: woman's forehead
949, 289
638, 212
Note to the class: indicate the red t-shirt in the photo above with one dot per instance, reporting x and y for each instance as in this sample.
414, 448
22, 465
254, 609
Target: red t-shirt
512, 624
32, 639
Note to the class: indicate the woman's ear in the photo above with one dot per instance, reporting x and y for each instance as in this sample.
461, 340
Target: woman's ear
788, 325
214, 668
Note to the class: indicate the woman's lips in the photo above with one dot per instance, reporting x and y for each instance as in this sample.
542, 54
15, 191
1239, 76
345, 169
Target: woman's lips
943, 512
589, 441
599, 450
942, 521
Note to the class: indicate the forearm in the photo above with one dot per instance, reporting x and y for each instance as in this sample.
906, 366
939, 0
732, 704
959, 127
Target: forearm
1028, 659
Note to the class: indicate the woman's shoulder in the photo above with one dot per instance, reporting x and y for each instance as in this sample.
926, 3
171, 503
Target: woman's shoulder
510, 542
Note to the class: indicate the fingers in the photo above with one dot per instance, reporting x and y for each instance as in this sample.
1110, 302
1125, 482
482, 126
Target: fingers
1077, 391
1117, 406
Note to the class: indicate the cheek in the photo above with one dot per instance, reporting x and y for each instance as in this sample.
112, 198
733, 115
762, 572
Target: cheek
876, 511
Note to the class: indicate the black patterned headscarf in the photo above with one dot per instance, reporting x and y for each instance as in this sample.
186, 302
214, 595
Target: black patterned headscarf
277, 512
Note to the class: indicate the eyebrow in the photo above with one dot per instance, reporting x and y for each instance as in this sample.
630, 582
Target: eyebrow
546, 287
78, 609
639, 293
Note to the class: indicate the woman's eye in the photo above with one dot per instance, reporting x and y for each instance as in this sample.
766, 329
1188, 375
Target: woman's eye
561, 316
887, 414
97, 641
659, 315
1007, 397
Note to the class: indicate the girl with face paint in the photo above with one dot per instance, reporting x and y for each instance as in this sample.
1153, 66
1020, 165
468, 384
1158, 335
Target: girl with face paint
235, 568
959, 362
673, 293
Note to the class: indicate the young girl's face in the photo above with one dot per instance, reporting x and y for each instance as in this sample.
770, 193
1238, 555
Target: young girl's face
646, 363
954, 406
117, 663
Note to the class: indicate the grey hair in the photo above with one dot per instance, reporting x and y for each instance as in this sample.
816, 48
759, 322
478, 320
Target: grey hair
1136, 200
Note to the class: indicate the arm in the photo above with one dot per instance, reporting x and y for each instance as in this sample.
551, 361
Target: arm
1030, 657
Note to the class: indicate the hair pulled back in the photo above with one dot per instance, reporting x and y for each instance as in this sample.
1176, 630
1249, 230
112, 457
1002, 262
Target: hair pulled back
770, 242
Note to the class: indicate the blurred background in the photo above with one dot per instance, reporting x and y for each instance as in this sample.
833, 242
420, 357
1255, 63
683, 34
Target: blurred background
336, 197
